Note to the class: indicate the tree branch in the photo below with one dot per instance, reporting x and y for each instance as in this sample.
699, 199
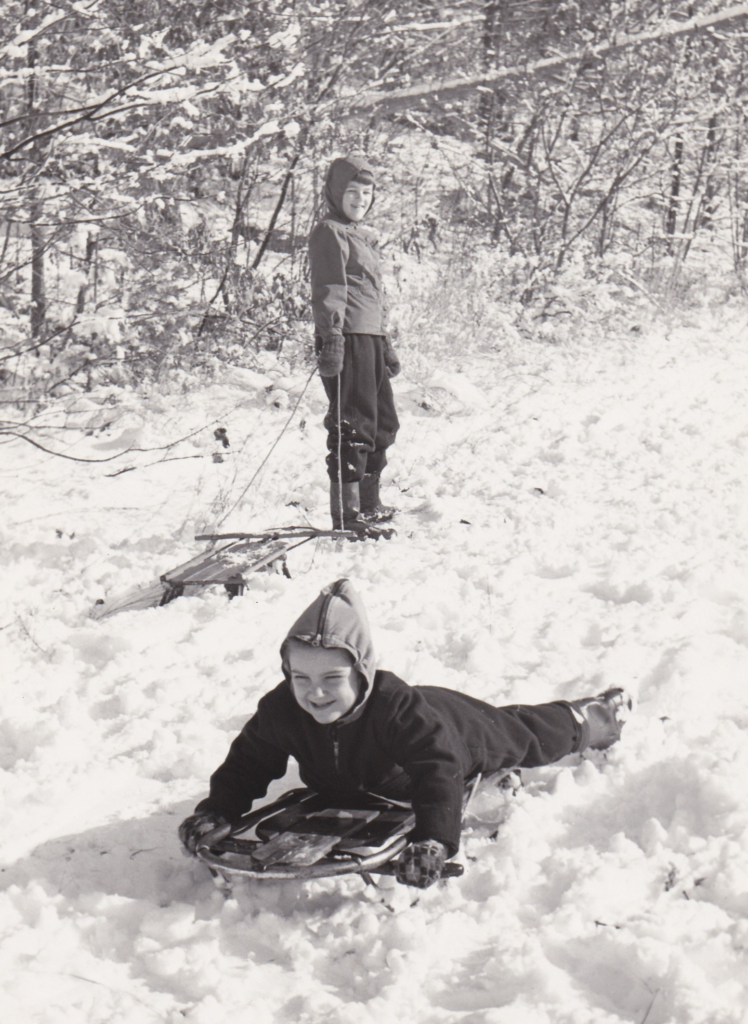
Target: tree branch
450, 88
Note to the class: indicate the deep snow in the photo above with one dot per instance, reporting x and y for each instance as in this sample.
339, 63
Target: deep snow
577, 521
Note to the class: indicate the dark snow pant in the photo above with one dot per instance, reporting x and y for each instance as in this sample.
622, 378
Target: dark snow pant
368, 420
521, 735
539, 734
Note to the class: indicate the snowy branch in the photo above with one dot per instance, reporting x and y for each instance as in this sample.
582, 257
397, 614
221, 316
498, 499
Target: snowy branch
450, 88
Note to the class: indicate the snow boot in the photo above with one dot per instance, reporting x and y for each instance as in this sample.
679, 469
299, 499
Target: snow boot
346, 498
372, 509
605, 715
352, 519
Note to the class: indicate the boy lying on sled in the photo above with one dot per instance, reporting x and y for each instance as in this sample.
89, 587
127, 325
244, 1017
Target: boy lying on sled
355, 729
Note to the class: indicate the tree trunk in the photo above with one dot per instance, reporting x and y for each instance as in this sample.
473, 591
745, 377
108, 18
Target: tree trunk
671, 219
710, 188
281, 198
36, 212
38, 283
91, 245
487, 102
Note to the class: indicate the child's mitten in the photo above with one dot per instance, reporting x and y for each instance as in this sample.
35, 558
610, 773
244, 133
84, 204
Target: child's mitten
330, 356
390, 359
195, 827
421, 864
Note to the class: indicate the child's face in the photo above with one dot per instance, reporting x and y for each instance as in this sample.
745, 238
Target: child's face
323, 680
357, 200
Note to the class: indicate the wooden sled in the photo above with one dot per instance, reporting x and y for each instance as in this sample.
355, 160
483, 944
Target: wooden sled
228, 564
300, 836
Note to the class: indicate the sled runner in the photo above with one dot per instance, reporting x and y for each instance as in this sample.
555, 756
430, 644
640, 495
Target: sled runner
300, 836
228, 564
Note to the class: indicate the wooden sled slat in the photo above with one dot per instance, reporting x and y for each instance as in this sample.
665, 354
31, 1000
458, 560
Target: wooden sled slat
375, 833
227, 564
137, 599
311, 838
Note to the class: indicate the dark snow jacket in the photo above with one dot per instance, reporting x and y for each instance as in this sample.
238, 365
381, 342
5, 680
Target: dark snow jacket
347, 292
400, 741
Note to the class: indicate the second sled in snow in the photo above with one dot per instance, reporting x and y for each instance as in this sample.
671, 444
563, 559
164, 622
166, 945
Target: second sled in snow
230, 560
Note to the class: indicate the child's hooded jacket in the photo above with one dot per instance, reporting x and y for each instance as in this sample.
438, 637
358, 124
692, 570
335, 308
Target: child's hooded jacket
399, 741
347, 295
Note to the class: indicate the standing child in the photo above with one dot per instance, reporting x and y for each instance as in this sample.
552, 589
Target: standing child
354, 730
355, 358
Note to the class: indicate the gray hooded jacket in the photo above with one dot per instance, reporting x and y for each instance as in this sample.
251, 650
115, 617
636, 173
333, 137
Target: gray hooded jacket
347, 291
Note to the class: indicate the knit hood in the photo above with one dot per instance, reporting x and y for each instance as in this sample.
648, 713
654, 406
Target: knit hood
337, 618
339, 176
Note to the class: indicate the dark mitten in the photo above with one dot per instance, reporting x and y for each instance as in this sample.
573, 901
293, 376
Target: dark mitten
421, 864
330, 356
390, 359
196, 826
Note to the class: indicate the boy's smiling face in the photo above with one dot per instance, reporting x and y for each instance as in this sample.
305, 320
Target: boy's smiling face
323, 680
356, 200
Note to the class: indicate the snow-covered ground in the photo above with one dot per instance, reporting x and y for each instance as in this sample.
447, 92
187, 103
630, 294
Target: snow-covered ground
577, 520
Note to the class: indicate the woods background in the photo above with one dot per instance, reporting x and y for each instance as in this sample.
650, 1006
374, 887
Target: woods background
543, 167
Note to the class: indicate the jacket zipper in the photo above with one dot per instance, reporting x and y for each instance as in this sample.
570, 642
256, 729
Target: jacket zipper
335, 749
316, 642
